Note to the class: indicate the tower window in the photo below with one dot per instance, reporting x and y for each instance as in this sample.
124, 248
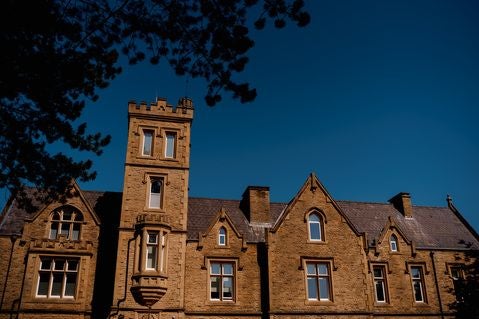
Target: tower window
147, 149
170, 145
155, 196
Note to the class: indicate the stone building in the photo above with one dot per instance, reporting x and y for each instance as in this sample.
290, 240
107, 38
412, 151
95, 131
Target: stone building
154, 252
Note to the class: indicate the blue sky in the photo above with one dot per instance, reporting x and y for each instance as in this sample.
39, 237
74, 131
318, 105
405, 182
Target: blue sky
375, 97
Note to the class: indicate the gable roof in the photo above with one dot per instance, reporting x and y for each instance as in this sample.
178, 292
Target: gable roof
201, 211
106, 206
430, 227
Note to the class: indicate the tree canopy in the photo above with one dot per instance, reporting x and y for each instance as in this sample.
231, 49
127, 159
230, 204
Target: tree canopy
57, 54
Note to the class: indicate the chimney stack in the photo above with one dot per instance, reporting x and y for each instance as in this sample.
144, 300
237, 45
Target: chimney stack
402, 202
255, 204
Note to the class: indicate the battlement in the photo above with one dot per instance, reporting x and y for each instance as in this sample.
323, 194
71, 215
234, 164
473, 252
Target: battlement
183, 109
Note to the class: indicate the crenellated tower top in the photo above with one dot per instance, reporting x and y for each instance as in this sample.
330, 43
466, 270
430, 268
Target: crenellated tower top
161, 108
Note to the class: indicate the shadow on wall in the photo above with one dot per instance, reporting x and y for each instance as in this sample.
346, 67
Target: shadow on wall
108, 208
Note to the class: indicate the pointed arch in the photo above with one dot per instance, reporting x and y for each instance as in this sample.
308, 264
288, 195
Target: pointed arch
315, 221
222, 236
65, 221
393, 243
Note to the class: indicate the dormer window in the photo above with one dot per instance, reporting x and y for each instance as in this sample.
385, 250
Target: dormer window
65, 221
222, 237
393, 243
315, 227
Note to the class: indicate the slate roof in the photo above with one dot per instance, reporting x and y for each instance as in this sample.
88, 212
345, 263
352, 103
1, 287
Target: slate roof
201, 212
430, 227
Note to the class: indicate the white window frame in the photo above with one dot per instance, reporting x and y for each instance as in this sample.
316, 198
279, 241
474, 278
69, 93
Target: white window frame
171, 138
418, 281
222, 236
71, 228
223, 278
51, 272
315, 223
158, 248
316, 277
155, 199
393, 243
147, 151
382, 281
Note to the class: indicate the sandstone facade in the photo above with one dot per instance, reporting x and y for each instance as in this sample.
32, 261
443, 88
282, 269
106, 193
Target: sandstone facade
154, 252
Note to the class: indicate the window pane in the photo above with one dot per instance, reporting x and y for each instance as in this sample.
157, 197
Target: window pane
152, 238
378, 273
59, 264
170, 145
323, 269
380, 290
417, 291
151, 257
324, 288
311, 269
312, 288
76, 232
46, 264
43, 284
57, 284
78, 217
72, 265
228, 287
227, 269
313, 218
65, 229
53, 231
67, 214
155, 193
56, 216
315, 231
415, 272
215, 269
147, 142
215, 287
70, 285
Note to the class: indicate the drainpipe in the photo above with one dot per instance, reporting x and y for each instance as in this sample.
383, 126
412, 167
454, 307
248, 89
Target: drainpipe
437, 284
13, 239
126, 280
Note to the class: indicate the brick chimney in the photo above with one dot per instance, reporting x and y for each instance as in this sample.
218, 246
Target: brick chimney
402, 202
255, 204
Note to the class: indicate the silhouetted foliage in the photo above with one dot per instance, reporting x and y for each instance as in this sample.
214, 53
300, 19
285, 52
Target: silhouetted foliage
56, 54
466, 290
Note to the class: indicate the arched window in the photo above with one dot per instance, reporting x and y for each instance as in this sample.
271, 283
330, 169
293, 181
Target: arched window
315, 227
66, 221
222, 236
393, 243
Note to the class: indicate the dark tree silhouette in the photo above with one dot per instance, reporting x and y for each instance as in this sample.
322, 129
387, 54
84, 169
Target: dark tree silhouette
466, 290
57, 53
